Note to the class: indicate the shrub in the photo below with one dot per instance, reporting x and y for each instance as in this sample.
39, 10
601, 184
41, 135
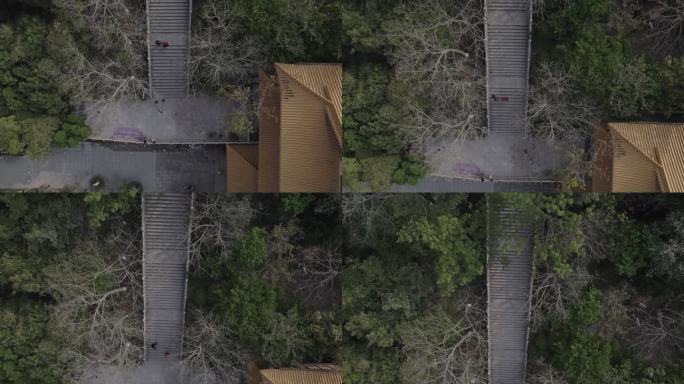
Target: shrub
251, 250
458, 261
72, 131
377, 171
632, 244
296, 203
351, 173
411, 169
10, 136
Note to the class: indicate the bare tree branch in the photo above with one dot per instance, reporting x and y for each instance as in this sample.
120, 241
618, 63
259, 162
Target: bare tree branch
438, 49
217, 222
211, 354
118, 68
220, 52
442, 349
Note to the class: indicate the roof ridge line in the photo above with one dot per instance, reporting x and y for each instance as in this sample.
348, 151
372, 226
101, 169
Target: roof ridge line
322, 97
635, 147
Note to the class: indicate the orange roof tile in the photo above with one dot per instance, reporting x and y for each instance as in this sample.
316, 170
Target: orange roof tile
648, 157
310, 127
242, 167
301, 376
269, 134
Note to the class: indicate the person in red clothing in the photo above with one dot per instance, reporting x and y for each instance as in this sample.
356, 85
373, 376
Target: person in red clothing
167, 354
159, 43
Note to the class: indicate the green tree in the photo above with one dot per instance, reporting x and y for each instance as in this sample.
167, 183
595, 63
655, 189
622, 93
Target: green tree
296, 203
411, 169
71, 132
377, 171
37, 134
102, 205
294, 30
251, 251
633, 244
458, 258
249, 306
363, 366
28, 74
10, 136
35, 230
30, 350
351, 173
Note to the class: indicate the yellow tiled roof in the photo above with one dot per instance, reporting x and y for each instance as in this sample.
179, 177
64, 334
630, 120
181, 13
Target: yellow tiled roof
242, 167
301, 376
325, 81
648, 157
310, 137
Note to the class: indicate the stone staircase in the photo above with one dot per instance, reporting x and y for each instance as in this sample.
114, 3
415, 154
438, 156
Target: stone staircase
169, 21
166, 221
507, 42
509, 284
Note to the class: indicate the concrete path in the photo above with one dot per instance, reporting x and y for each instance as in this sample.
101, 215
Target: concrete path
502, 157
168, 21
437, 184
169, 170
166, 236
172, 121
509, 284
147, 373
507, 41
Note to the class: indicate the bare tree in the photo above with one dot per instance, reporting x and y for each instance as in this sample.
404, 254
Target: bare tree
118, 67
670, 260
540, 7
315, 271
211, 354
218, 221
553, 297
362, 212
437, 46
221, 52
99, 303
665, 26
557, 110
657, 332
113, 24
445, 349
544, 373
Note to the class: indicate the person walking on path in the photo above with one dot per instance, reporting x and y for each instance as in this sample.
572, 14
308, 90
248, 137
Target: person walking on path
154, 345
163, 44
167, 354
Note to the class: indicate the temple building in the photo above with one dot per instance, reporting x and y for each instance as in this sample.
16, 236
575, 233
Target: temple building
300, 133
638, 157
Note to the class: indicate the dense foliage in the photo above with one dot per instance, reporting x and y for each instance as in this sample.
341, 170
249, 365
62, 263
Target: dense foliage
275, 285
389, 287
603, 311
45, 241
409, 259
607, 47
34, 107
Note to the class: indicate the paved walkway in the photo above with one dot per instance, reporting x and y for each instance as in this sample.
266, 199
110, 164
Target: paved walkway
437, 184
507, 39
203, 167
503, 157
168, 21
509, 284
147, 373
166, 226
172, 121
